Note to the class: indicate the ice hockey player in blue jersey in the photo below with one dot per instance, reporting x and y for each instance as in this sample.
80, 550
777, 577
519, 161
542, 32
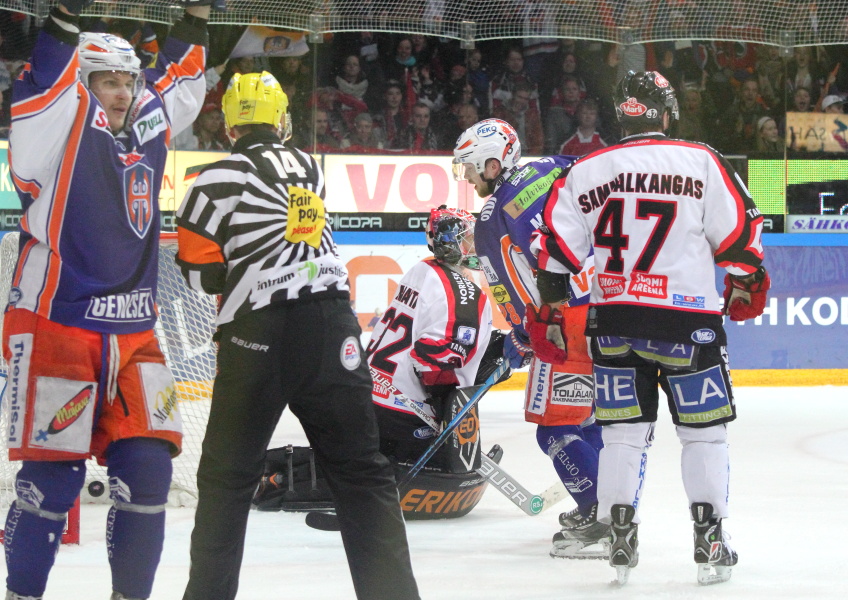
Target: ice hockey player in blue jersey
559, 397
89, 139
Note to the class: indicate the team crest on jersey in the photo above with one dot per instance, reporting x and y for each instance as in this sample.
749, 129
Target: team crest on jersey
138, 197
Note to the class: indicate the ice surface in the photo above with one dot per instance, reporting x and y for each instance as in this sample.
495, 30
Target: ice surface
789, 449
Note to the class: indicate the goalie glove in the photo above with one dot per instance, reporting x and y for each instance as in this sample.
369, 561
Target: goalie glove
745, 297
546, 327
517, 350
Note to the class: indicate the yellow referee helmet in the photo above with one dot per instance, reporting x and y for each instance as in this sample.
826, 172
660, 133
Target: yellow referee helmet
254, 99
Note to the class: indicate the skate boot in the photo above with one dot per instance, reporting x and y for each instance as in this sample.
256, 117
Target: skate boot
120, 596
10, 595
581, 537
624, 543
714, 557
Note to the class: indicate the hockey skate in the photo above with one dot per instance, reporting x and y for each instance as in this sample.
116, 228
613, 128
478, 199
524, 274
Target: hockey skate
714, 557
581, 537
624, 543
10, 595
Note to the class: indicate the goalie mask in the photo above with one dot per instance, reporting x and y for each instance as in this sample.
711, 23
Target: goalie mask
107, 52
490, 138
641, 99
450, 237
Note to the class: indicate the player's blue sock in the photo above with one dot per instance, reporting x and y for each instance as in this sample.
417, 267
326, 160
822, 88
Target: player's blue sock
46, 492
139, 478
575, 461
593, 436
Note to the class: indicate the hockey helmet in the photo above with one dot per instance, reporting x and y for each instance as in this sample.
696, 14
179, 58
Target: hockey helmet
490, 138
642, 98
107, 52
450, 236
255, 99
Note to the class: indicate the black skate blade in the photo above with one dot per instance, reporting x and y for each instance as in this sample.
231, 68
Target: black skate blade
323, 521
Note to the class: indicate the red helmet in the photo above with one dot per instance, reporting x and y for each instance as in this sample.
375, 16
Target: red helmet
450, 236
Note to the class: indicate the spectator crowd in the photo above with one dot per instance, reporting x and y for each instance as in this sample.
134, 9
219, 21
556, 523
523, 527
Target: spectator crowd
369, 92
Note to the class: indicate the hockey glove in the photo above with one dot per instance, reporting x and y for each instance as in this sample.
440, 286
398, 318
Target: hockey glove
75, 7
745, 297
517, 350
546, 327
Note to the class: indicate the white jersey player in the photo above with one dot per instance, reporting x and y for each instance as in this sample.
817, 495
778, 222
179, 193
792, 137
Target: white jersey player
432, 336
660, 214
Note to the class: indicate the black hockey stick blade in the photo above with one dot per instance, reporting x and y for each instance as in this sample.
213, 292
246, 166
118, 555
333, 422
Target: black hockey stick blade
324, 521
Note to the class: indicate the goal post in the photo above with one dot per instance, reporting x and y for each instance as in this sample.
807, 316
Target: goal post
184, 330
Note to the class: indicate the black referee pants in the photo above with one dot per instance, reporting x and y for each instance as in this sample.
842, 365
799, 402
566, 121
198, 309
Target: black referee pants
294, 355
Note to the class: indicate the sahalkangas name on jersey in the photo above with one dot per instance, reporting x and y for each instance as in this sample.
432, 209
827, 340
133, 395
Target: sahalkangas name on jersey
641, 183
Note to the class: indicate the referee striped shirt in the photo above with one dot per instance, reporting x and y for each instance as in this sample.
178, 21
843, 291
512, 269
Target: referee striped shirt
253, 228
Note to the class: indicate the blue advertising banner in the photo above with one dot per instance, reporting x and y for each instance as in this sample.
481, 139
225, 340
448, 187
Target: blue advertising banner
805, 322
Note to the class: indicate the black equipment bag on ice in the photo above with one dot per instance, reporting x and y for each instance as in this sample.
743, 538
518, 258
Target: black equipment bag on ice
292, 481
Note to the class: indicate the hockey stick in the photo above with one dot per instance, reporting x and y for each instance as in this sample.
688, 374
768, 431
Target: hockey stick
531, 504
506, 484
472, 401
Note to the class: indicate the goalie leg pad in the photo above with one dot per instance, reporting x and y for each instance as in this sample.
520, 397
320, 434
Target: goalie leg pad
622, 465
46, 491
575, 461
139, 477
705, 464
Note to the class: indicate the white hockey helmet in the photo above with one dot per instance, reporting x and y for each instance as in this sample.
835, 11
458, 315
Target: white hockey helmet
107, 52
490, 138
450, 236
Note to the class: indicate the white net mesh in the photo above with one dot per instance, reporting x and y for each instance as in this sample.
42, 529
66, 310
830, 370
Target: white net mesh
776, 22
184, 330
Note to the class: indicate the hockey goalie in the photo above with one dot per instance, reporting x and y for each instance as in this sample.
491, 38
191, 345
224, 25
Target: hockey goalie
435, 337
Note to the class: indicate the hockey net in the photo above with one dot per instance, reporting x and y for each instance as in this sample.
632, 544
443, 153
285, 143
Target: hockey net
184, 330
784, 23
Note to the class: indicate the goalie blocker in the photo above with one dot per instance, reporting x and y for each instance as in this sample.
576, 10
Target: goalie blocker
293, 482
